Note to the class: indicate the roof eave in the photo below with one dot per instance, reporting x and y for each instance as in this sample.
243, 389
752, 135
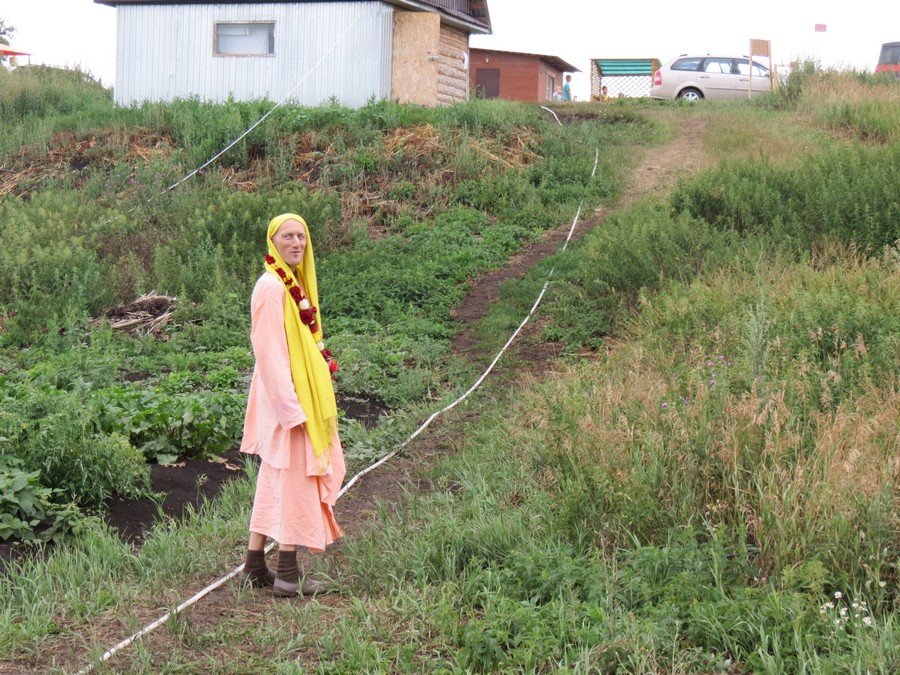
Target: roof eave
470, 25
554, 61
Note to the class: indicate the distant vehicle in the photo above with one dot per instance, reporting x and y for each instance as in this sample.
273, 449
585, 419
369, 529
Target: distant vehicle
889, 60
693, 78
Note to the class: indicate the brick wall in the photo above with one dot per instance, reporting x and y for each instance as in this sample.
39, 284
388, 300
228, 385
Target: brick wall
523, 77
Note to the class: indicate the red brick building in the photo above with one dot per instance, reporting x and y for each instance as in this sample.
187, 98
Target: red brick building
516, 76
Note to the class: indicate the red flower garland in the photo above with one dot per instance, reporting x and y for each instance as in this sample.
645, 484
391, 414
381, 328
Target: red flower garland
307, 311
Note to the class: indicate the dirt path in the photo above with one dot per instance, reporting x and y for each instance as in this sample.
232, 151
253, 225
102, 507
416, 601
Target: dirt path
655, 173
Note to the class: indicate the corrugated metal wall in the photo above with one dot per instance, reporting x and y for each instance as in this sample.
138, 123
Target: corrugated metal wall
325, 50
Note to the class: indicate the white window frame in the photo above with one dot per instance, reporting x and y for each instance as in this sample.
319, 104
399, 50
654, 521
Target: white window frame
268, 26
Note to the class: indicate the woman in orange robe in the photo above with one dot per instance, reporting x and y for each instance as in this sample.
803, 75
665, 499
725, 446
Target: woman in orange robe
291, 421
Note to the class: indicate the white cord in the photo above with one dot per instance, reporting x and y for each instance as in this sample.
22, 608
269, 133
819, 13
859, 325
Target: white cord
552, 112
237, 140
481, 379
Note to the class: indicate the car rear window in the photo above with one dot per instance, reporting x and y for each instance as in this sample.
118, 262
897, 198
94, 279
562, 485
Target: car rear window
890, 54
691, 63
743, 66
717, 66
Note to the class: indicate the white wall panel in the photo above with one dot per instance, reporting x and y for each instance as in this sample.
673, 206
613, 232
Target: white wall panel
322, 50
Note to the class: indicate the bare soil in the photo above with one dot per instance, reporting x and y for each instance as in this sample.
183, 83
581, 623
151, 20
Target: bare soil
185, 485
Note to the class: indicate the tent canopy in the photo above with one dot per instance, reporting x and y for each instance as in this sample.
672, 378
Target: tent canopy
10, 51
611, 67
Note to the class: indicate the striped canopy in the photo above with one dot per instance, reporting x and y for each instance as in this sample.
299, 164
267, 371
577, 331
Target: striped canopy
626, 66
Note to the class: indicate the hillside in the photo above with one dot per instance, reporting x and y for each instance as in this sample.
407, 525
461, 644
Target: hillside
686, 462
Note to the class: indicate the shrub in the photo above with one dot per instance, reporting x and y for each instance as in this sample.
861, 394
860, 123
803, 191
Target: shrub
52, 432
27, 508
168, 426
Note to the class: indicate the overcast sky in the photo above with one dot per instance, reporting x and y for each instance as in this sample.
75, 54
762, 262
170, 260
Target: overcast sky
80, 32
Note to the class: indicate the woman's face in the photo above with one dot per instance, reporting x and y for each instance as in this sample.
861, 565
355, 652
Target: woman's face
290, 241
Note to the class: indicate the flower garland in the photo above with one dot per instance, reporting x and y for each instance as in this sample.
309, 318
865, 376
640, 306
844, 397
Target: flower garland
307, 312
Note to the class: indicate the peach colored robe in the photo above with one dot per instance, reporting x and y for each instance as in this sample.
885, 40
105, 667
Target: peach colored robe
294, 501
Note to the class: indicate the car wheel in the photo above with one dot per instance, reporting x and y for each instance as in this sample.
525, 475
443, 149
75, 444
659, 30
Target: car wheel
690, 94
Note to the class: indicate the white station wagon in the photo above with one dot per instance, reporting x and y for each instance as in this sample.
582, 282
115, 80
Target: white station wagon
693, 78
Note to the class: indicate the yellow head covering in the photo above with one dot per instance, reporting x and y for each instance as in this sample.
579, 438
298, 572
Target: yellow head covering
309, 370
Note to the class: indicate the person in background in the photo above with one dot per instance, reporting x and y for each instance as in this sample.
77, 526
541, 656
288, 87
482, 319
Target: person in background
567, 89
604, 93
557, 94
291, 420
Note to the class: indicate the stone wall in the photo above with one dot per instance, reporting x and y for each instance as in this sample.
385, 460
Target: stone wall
453, 67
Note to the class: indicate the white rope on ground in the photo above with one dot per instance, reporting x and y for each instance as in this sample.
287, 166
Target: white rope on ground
552, 112
481, 379
237, 570
187, 603
161, 620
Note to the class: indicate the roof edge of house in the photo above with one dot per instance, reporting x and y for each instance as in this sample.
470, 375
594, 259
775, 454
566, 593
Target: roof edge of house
457, 19
556, 61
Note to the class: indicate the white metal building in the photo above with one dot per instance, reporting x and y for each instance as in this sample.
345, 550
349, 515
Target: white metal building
309, 51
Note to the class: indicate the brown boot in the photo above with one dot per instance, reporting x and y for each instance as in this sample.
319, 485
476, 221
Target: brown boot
288, 581
256, 573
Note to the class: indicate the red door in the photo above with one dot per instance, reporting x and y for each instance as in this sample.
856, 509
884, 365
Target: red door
487, 82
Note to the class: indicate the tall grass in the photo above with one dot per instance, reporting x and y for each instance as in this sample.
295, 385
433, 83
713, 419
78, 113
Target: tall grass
36, 101
860, 107
846, 192
679, 504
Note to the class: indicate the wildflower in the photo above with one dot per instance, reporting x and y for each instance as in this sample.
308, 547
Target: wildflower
665, 404
867, 620
838, 595
882, 584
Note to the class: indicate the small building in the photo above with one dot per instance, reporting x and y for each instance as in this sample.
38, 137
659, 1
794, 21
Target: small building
516, 76
12, 54
305, 51
623, 78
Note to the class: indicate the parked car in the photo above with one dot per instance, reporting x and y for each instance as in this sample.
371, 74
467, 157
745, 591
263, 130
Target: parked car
714, 77
889, 59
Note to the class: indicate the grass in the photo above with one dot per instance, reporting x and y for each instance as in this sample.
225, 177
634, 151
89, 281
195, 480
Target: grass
706, 483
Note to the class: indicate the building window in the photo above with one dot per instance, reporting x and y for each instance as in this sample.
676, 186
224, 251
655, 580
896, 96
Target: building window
551, 86
245, 39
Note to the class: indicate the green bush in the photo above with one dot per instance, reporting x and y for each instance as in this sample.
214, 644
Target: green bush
606, 271
27, 508
53, 433
165, 427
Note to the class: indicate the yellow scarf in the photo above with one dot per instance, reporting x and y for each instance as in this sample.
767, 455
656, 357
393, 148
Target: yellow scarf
309, 370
